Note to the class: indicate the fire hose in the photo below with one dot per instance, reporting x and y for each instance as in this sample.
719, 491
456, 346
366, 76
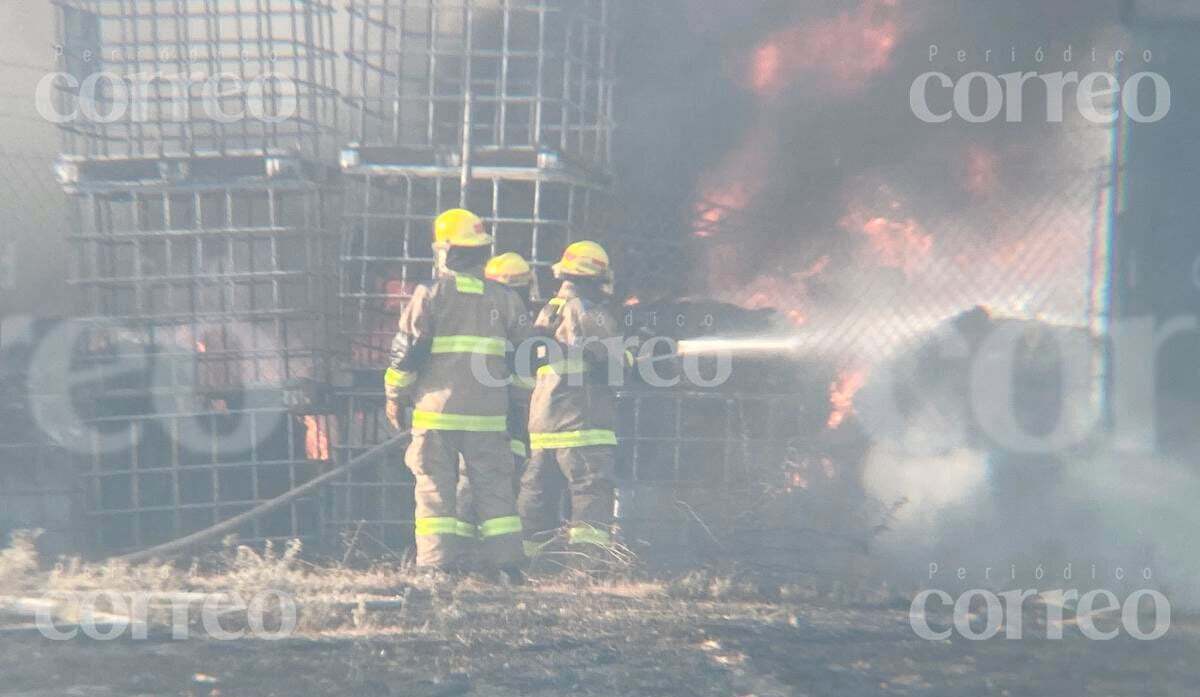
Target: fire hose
734, 346
379, 453
376, 455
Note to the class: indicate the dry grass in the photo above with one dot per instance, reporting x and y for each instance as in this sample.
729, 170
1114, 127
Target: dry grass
332, 599
381, 600
19, 562
390, 631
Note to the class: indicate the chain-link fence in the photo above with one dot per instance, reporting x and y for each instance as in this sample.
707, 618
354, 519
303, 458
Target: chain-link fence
220, 254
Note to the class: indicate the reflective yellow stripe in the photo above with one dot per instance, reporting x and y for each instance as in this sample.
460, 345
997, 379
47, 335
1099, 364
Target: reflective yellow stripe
629, 359
445, 526
558, 302
467, 284
398, 378
572, 439
434, 421
569, 366
437, 526
589, 535
518, 448
495, 527
487, 345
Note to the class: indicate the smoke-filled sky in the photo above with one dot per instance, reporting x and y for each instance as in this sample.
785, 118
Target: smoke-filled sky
26, 42
777, 139
30, 205
770, 144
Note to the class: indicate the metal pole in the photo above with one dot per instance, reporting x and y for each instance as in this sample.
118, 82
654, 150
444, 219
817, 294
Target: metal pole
465, 182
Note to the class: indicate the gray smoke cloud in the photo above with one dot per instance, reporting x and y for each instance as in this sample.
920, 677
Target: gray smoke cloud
32, 208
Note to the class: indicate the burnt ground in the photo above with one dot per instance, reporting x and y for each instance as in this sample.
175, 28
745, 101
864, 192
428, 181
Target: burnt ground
629, 639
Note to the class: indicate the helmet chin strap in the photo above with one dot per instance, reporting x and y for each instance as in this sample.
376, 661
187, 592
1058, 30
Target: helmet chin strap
440, 251
608, 286
535, 288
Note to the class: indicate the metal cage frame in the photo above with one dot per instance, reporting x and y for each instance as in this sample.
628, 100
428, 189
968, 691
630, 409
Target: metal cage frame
233, 274
163, 78
387, 242
206, 289
526, 75
503, 107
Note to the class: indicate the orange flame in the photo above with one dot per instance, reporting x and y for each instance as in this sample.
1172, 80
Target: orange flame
786, 294
316, 438
732, 186
981, 171
841, 395
844, 51
894, 243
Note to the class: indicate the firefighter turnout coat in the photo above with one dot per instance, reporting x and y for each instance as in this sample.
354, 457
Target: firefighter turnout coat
572, 416
451, 359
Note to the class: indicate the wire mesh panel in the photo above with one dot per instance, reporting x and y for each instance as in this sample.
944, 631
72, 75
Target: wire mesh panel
371, 510
386, 253
157, 474
144, 78
386, 249
690, 463
235, 276
205, 286
499, 106
525, 74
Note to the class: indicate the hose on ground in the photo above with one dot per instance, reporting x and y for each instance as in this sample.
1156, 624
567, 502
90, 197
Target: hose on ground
376, 455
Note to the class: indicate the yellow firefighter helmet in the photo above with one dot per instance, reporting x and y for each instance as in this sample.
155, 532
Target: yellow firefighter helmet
459, 228
510, 268
584, 258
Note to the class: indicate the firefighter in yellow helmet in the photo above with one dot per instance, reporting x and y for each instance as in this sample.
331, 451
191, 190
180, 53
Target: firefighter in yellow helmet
452, 330
572, 413
511, 270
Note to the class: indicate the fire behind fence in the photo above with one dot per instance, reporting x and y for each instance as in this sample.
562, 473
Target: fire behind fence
212, 255
206, 302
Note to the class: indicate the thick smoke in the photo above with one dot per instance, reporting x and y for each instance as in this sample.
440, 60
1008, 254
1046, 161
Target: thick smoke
32, 231
785, 117
827, 198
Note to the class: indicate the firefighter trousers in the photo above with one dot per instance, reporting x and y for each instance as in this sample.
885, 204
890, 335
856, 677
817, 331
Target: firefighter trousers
588, 472
443, 539
465, 499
